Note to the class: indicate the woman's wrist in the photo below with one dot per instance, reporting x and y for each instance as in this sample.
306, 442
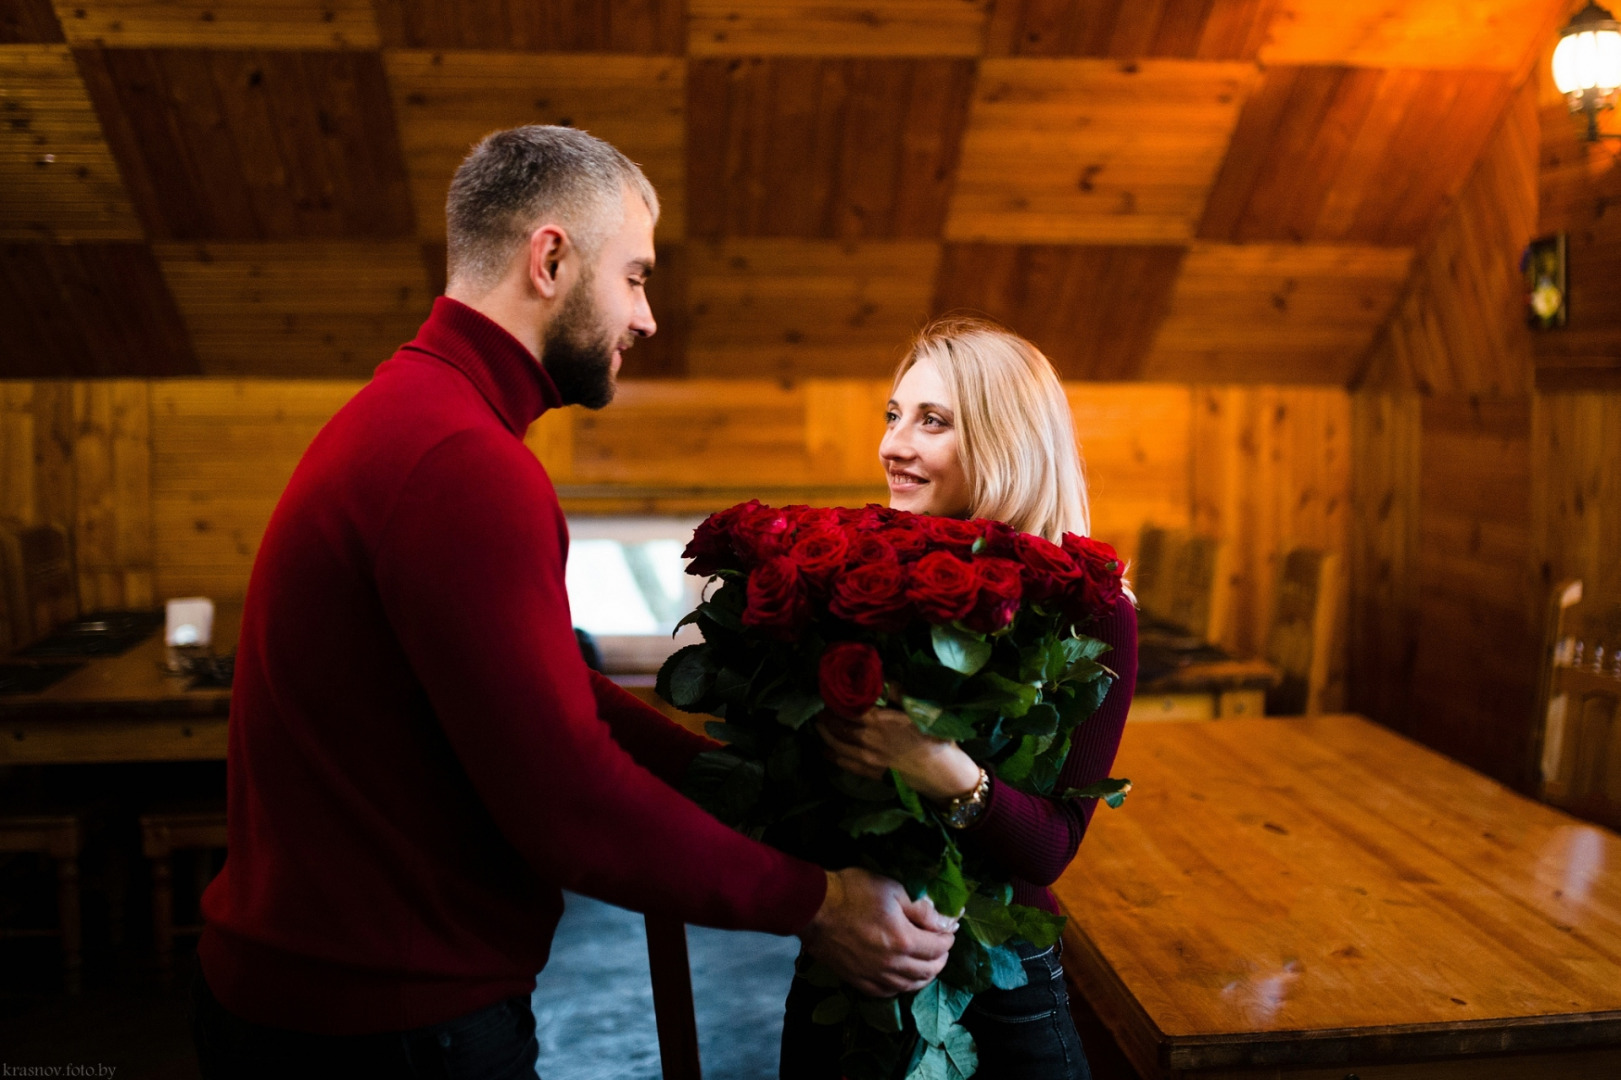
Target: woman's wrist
948, 774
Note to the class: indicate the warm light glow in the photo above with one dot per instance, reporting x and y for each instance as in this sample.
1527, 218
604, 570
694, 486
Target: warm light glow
1590, 60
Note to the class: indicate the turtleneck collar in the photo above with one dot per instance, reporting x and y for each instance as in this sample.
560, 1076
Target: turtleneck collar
506, 373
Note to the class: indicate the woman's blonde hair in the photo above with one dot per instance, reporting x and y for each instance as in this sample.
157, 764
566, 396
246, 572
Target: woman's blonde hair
1014, 429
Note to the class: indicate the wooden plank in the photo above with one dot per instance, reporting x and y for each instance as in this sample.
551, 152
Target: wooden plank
1106, 151
311, 309
1384, 584
60, 180
1128, 29
1576, 489
29, 22
96, 742
1275, 313
253, 144
1499, 35
1135, 442
221, 24
112, 530
447, 101
846, 148
1093, 310
606, 26
1296, 893
805, 307
836, 28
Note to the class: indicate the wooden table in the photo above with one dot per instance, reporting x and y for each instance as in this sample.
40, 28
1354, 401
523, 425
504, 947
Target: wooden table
121, 708
1206, 690
1317, 898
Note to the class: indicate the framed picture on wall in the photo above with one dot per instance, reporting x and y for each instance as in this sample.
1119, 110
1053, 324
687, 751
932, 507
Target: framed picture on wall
1544, 267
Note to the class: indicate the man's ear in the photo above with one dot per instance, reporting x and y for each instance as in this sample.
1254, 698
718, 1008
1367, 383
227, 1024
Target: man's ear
549, 251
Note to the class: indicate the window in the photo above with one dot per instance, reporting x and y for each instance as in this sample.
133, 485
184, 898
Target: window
628, 587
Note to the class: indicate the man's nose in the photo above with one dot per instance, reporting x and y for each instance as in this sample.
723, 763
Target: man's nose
641, 320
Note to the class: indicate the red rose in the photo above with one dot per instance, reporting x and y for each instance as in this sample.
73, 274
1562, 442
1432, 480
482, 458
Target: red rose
777, 600
1001, 540
1049, 571
1102, 567
807, 518
820, 553
850, 678
952, 533
873, 596
908, 540
760, 533
711, 549
871, 548
1001, 584
871, 516
942, 586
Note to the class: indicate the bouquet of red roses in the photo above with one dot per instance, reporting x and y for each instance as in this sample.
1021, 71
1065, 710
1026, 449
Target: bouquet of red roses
976, 631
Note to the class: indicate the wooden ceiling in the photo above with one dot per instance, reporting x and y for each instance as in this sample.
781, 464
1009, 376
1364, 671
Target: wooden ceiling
1165, 189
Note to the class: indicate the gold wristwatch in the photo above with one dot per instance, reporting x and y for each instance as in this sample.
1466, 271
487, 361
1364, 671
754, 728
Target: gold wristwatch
964, 810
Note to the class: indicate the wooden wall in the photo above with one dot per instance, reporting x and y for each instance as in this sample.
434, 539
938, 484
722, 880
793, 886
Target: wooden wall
166, 485
1486, 461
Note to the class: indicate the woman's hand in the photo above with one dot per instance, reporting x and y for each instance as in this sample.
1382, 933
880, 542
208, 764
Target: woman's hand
937, 769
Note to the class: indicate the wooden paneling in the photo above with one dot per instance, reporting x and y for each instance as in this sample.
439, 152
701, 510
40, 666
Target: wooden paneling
1280, 313
1384, 585
447, 102
250, 144
1093, 310
1475, 672
58, 176
664, 355
824, 147
605, 26
222, 452
221, 24
1093, 151
1501, 35
836, 27
87, 310
1136, 442
760, 308
313, 309
1351, 155
1576, 494
1127, 29
28, 22
1271, 471
1580, 196
1460, 326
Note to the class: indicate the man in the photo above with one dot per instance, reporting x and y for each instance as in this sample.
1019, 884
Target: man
419, 759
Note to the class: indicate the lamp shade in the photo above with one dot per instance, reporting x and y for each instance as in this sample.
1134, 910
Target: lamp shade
1588, 57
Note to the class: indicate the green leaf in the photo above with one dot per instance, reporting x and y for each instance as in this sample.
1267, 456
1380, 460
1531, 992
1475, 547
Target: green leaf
690, 617
821, 976
908, 797
691, 671
724, 784
1088, 648
1017, 767
1007, 970
860, 788
1040, 928
948, 890
729, 733
881, 1013
931, 719
1113, 792
878, 823
831, 1010
1012, 699
731, 685
962, 652
797, 708
722, 613
1042, 719
937, 1007
989, 920
961, 1050
934, 1065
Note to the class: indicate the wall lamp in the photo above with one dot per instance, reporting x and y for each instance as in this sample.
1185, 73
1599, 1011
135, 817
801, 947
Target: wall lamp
1587, 65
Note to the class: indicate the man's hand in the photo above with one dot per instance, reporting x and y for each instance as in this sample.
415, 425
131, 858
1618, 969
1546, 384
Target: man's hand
878, 939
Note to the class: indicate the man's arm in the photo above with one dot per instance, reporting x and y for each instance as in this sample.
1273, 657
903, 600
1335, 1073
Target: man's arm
659, 744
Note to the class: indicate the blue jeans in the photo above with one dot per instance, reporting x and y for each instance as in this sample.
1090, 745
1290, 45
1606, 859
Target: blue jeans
1023, 1034
494, 1043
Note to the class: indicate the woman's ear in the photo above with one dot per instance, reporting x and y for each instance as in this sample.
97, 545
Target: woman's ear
549, 248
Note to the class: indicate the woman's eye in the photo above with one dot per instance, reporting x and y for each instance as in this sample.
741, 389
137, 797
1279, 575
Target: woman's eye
890, 417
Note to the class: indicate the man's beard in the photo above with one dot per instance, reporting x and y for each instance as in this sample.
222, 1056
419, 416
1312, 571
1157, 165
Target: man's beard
578, 354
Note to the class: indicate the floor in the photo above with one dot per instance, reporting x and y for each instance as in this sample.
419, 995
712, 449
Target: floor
593, 1007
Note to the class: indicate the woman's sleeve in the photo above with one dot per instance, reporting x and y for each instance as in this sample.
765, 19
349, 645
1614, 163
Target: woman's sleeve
1034, 836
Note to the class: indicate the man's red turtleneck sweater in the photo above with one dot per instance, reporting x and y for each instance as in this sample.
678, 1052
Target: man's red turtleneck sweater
419, 759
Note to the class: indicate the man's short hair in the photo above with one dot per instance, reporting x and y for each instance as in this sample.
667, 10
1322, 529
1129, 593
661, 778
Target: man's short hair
514, 179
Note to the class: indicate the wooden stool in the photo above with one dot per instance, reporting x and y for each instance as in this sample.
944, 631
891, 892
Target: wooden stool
672, 998
58, 836
162, 834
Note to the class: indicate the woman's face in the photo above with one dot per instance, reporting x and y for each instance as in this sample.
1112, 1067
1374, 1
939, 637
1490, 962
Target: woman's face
919, 450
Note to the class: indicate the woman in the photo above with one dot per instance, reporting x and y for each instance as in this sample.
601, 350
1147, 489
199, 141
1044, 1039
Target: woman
978, 426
